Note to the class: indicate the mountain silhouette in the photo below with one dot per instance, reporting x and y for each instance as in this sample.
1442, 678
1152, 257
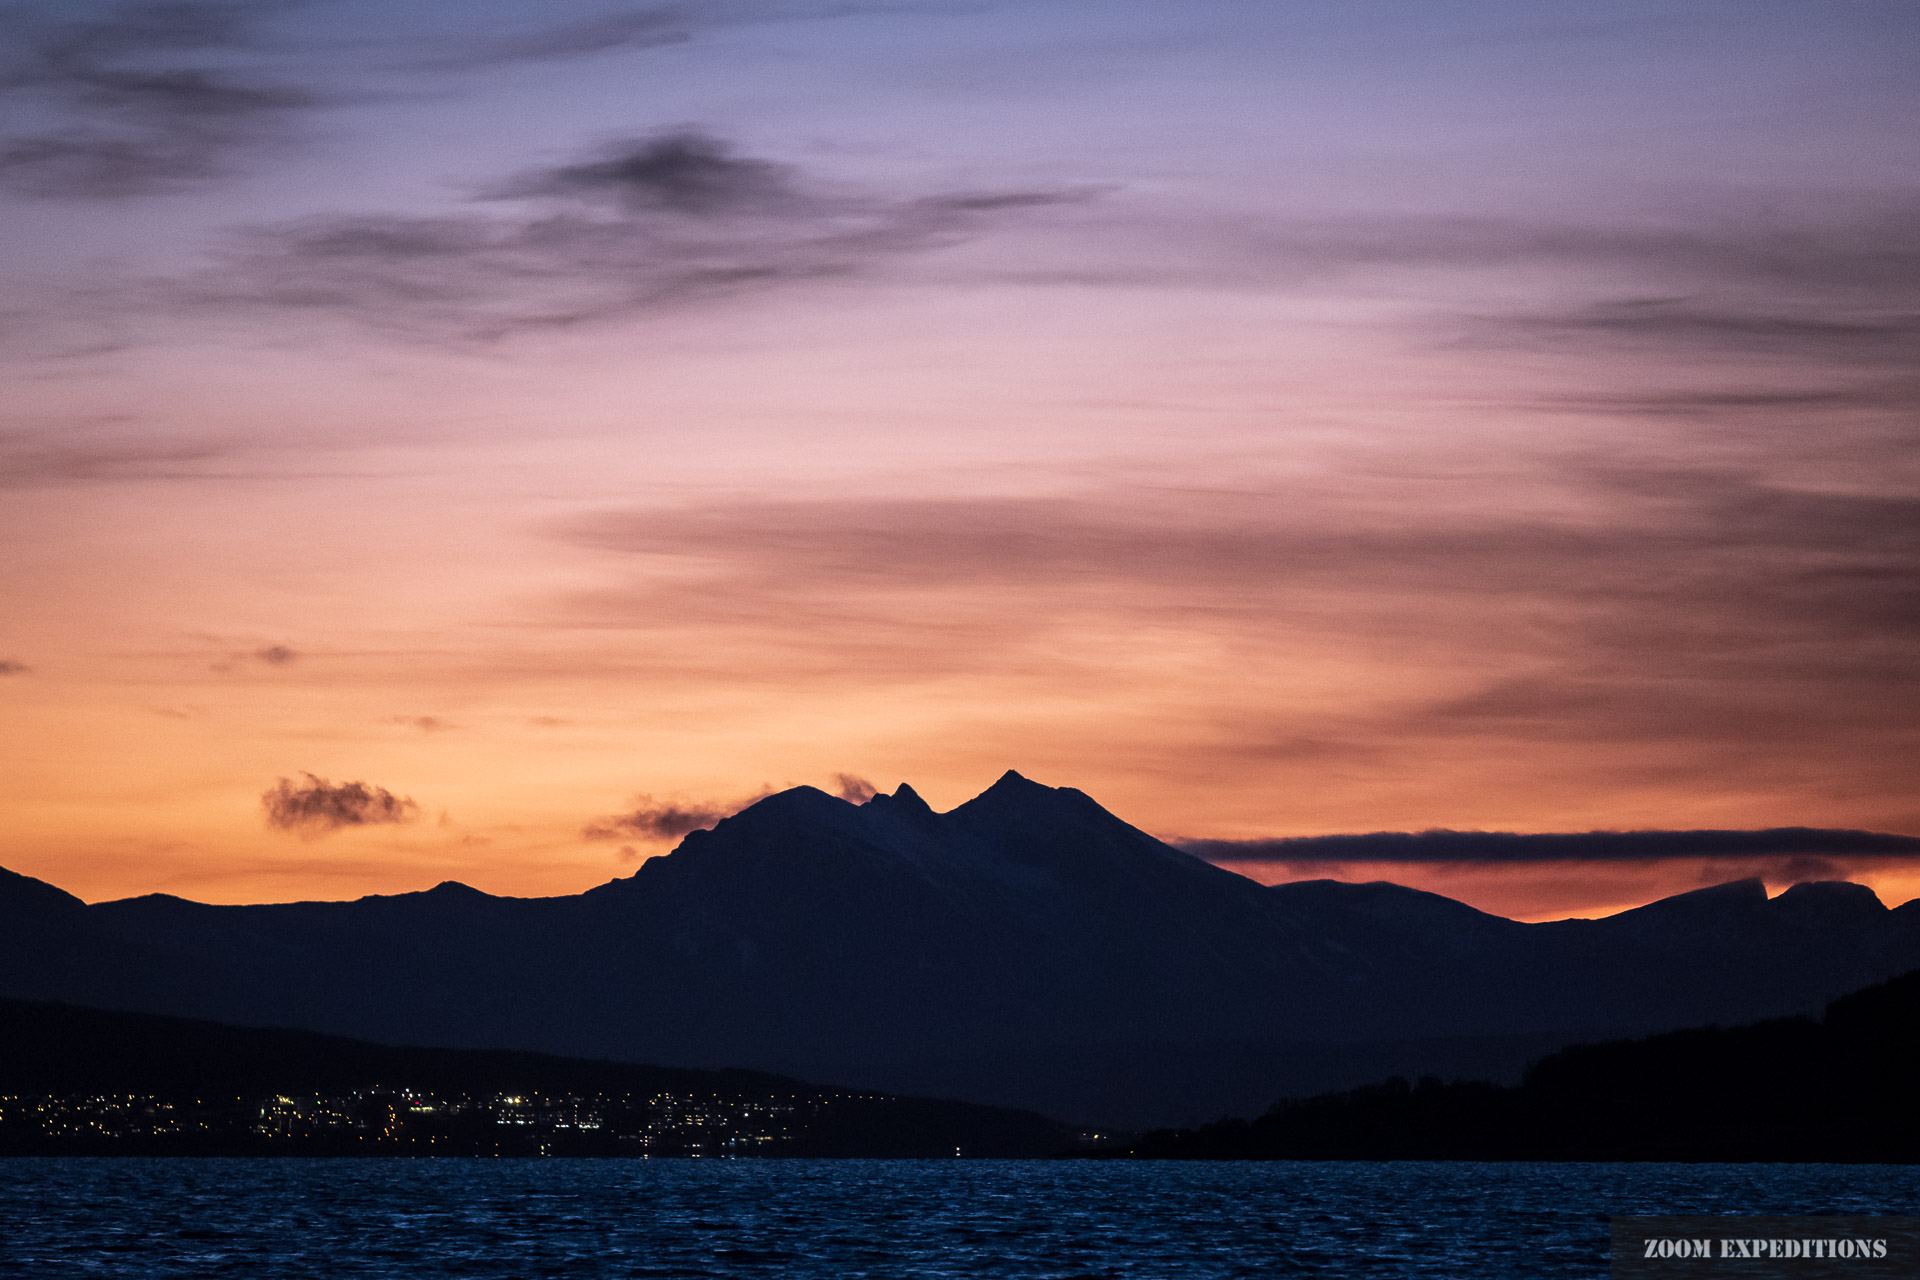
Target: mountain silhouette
1027, 948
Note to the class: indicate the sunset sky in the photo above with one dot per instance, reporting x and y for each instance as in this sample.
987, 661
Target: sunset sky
1273, 418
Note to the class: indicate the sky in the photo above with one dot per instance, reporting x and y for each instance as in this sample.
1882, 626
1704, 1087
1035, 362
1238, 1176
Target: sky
477, 440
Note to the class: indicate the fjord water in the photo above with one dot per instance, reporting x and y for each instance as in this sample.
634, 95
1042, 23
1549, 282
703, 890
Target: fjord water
848, 1218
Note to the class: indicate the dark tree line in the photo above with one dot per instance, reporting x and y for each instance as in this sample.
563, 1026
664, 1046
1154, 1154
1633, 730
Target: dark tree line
1842, 1088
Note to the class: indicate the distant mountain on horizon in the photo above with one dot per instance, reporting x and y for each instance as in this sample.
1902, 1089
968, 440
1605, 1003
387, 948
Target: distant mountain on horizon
1025, 949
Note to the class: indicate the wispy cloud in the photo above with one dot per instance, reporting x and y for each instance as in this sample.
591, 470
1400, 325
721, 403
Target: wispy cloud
1853, 244
1759, 407
685, 172
1746, 551
627, 30
42, 458
1871, 342
140, 99
1716, 611
318, 807
8, 667
645, 223
853, 788
583, 37
271, 655
155, 97
1828, 291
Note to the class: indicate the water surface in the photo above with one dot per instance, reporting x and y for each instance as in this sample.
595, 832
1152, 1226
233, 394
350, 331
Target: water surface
62, 1218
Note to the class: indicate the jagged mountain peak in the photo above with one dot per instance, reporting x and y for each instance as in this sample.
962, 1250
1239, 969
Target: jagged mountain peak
802, 801
1012, 801
1014, 787
1018, 840
1013, 804
905, 794
1015, 798
904, 801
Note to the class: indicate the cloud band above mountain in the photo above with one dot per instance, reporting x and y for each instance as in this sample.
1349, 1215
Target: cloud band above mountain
1575, 846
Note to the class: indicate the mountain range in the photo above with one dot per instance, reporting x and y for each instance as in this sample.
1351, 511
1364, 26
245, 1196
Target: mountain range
1026, 949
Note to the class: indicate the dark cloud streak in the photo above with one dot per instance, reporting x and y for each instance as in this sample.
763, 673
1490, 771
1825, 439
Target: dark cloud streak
656, 820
